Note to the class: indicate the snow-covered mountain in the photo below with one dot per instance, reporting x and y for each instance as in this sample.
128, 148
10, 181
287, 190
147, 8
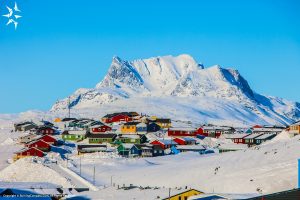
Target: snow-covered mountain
180, 86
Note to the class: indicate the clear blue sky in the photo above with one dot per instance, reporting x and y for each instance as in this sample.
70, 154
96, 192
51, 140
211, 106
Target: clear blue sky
62, 45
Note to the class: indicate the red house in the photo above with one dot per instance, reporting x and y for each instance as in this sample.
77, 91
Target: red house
238, 138
49, 139
39, 144
100, 129
185, 141
183, 132
44, 130
29, 152
120, 117
165, 144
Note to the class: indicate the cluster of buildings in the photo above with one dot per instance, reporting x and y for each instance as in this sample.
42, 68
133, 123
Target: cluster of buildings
256, 135
39, 140
128, 134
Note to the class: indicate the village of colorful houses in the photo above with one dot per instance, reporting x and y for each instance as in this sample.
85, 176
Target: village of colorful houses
137, 135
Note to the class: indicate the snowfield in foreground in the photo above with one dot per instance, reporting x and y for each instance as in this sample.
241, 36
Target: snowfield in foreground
264, 169
23, 170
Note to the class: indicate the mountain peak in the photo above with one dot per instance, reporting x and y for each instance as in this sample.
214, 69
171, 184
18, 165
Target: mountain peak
173, 77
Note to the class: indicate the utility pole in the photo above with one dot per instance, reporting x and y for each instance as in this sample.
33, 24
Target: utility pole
111, 180
94, 175
80, 166
169, 193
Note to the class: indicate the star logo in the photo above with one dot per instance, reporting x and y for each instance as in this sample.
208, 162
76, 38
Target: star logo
12, 16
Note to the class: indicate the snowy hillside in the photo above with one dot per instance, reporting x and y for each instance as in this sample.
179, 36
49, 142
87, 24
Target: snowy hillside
271, 167
180, 83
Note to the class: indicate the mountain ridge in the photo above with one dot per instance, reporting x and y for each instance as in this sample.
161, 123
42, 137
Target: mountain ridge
180, 78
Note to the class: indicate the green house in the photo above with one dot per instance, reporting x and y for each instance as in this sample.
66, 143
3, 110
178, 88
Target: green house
102, 138
131, 139
73, 135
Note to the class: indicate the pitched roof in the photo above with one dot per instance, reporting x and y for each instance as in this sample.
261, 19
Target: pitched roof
128, 146
265, 136
131, 136
82, 146
190, 147
35, 141
131, 123
129, 114
104, 135
26, 149
168, 142
253, 135
236, 136
187, 139
163, 120
68, 119
183, 129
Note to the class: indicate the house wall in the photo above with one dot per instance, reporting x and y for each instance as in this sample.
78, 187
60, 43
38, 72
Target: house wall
164, 125
295, 129
128, 129
72, 137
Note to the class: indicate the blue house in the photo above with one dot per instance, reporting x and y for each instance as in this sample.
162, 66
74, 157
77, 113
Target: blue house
128, 150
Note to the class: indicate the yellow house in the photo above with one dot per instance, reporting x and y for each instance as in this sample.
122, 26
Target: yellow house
295, 128
163, 123
184, 195
129, 127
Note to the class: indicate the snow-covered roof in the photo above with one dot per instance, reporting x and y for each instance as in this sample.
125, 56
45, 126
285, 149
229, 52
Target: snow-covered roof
130, 136
182, 129
188, 139
231, 146
253, 135
267, 129
192, 147
77, 132
236, 136
265, 136
168, 142
216, 128
128, 146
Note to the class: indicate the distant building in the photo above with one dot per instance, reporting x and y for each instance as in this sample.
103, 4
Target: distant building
294, 129
101, 138
100, 128
184, 195
120, 117
164, 143
39, 144
163, 122
29, 152
128, 150
74, 135
129, 127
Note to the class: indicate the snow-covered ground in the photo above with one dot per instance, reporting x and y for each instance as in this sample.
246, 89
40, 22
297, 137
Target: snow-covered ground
267, 168
24, 170
8, 145
264, 169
